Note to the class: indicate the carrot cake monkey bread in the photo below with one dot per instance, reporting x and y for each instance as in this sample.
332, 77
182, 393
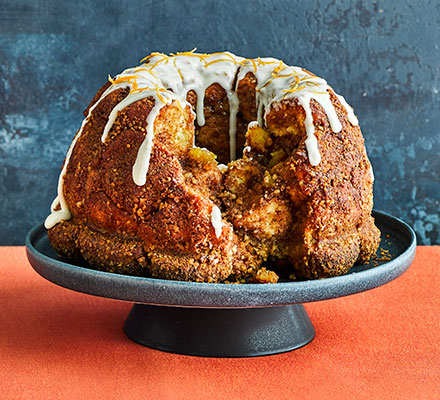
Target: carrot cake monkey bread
213, 168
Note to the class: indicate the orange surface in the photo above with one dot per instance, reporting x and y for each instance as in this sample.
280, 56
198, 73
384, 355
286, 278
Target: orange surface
380, 344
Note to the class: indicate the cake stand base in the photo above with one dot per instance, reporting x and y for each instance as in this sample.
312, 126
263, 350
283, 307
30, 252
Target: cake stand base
212, 332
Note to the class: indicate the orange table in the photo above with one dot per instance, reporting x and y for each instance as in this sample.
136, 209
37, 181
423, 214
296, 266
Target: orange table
56, 343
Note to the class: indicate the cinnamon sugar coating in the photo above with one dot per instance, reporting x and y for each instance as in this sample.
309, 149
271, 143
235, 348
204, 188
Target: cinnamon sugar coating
278, 211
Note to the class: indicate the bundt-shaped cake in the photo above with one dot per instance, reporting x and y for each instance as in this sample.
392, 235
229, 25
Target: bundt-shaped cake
213, 168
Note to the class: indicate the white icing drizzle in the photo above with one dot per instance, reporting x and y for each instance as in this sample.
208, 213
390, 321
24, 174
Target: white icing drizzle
140, 167
371, 173
277, 81
350, 114
311, 141
262, 68
63, 213
371, 169
216, 220
233, 110
169, 78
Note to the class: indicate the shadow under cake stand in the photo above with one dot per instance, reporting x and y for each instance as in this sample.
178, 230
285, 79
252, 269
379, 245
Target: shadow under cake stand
221, 320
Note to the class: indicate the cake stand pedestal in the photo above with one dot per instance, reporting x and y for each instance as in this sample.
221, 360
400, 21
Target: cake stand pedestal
221, 320
241, 332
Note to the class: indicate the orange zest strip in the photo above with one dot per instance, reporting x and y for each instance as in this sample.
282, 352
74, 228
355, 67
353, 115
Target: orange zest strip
139, 69
152, 55
219, 60
152, 73
145, 58
312, 84
134, 86
159, 61
138, 90
178, 70
124, 78
294, 89
252, 61
266, 84
158, 90
279, 68
261, 62
283, 76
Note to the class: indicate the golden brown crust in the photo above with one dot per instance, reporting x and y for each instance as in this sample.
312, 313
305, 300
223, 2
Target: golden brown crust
275, 204
101, 250
63, 237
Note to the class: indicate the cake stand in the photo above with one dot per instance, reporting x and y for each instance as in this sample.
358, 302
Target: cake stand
224, 320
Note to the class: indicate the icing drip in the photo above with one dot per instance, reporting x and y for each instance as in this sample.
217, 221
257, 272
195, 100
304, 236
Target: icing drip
140, 167
371, 169
371, 173
350, 114
233, 110
311, 142
171, 78
216, 220
63, 213
276, 81
166, 79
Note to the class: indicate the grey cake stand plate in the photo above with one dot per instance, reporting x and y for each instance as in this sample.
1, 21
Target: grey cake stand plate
221, 320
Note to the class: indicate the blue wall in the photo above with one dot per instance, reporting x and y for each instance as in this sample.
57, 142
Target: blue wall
382, 56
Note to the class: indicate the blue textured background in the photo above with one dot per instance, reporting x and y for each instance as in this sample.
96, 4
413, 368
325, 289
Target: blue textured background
382, 56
